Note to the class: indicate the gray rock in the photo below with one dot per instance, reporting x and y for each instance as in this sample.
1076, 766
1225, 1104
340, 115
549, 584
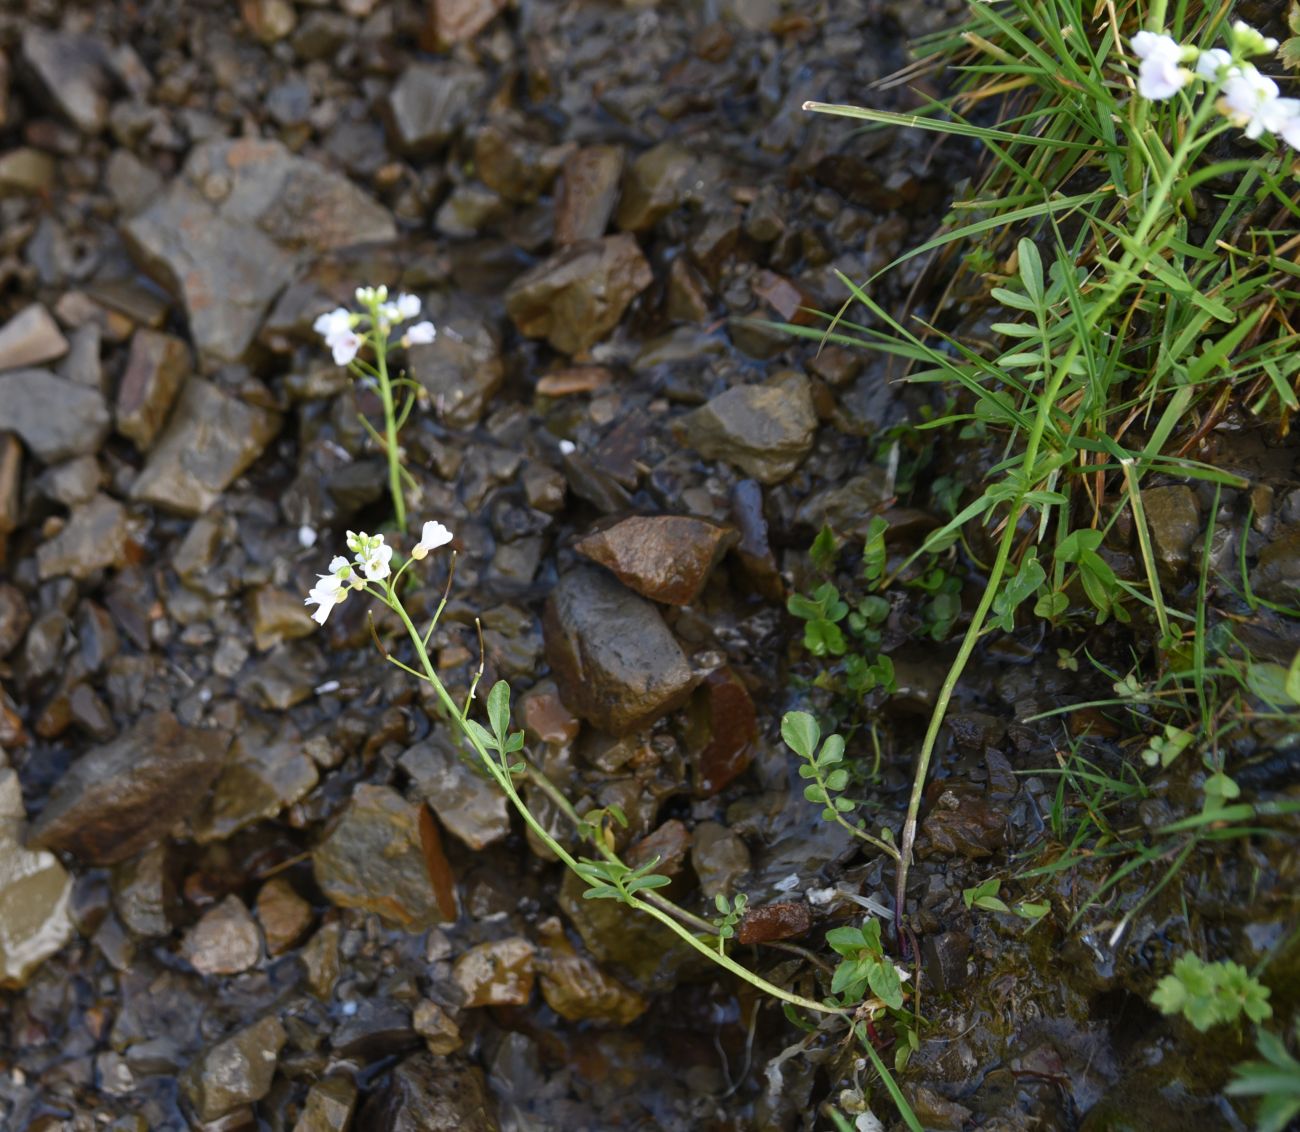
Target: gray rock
30, 338
578, 295
470, 806
461, 368
142, 891
155, 371
34, 894
655, 184
234, 228
430, 1094
56, 419
1175, 522
765, 430
94, 539
719, 858
68, 71
225, 941
119, 798
373, 860
72, 482
210, 439
82, 364
615, 661
430, 103
236, 1071
259, 780
1276, 576
587, 194
131, 183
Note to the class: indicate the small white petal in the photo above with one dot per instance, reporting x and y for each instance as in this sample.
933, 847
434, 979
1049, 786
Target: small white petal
432, 536
1210, 63
306, 537
345, 348
421, 334
567, 448
408, 306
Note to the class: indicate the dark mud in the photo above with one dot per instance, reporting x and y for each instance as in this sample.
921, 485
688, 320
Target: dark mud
215, 900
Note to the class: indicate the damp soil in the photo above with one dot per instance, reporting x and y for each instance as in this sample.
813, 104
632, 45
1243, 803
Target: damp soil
247, 877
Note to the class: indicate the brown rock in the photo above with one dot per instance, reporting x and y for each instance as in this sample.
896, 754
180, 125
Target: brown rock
666, 558
574, 380
587, 194
722, 731
26, 172
118, 798
373, 860
278, 615
269, 20
765, 430
15, 616
11, 467
514, 165
94, 539
667, 846
577, 989
655, 184
454, 21
578, 295
436, 1027
615, 661
155, 371
30, 338
773, 922
431, 1094
284, 915
497, 974
544, 716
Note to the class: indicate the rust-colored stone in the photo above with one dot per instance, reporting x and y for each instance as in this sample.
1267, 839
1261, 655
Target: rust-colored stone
774, 922
723, 711
666, 558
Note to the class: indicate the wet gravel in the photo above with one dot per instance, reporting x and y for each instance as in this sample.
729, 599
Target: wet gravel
247, 878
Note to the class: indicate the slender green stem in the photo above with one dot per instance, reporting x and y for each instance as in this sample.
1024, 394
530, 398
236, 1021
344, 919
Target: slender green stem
390, 433
1126, 272
506, 782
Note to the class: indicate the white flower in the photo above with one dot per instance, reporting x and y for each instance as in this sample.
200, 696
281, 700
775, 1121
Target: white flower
333, 324
1248, 41
567, 448
1250, 100
369, 296
372, 555
408, 306
421, 334
341, 568
1160, 74
1289, 128
325, 595
1210, 63
432, 536
344, 348
375, 564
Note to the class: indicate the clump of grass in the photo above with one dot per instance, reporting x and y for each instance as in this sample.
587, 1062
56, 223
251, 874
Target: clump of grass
1134, 273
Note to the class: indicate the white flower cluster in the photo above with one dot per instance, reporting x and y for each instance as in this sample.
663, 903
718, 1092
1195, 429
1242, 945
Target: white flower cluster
1248, 99
339, 327
371, 558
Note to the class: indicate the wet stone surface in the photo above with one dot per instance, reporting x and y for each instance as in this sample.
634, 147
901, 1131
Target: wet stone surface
246, 878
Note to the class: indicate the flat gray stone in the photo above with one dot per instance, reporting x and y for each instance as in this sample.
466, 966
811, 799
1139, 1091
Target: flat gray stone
56, 419
210, 439
236, 225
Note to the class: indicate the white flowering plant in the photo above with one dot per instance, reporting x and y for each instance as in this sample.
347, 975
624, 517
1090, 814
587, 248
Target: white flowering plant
501, 753
1121, 290
361, 340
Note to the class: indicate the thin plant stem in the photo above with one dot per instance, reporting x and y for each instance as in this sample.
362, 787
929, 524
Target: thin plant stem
390, 434
1124, 275
504, 779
